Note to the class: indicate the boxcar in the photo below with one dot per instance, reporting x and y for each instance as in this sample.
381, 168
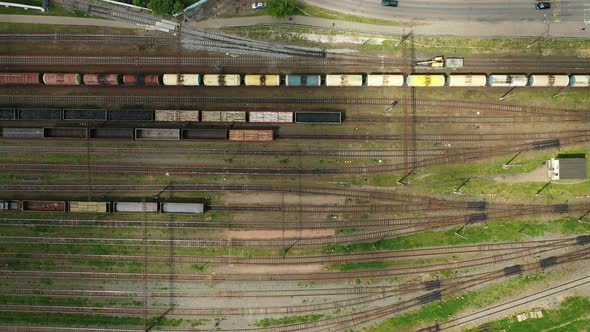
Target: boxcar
158, 134
580, 80
385, 80
303, 80
148, 207
318, 117
205, 133
467, 80
96, 207
101, 79
85, 114
181, 79
221, 79
141, 79
344, 80
423, 80
64, 132
250, 135
112, 133
193, 208
229, 116
62, 79
43, 205
19, 78
503, 80
264, 80
282, 117
549, 80
174, 115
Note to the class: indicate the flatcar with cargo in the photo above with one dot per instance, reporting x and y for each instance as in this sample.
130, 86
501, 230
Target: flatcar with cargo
385, 80
271, 117
176, 115
19, 78
344, 80
507, 80
467, 80
303, 80
251, 135
89, 207
262, 80
181, 79
226, 116
425, 80
549, 80
221, 79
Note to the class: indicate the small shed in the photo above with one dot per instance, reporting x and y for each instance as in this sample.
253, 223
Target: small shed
567, 168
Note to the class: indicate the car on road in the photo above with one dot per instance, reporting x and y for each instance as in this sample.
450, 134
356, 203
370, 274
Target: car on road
390, 3
543, 5
259, 5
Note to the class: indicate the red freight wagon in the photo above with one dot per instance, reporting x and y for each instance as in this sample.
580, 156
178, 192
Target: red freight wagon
19, 78
44, 205
62, 79
101, 79
140, 79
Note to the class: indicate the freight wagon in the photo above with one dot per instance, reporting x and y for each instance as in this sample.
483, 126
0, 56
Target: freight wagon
262, 80
502, 80
250, 135
344, 80
126, 115
19, 78
467, 80
303, 80
318, 117
549, 80
180, 79
141, 79
62, 79
101, 79
422, 80
102, 207
221, 80
385, 80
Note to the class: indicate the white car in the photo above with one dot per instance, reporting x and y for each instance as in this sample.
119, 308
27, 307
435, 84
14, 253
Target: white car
259, 5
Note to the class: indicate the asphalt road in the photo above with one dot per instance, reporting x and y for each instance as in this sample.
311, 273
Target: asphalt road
463, 10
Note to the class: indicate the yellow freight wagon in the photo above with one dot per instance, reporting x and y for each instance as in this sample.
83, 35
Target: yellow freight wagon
426, 80
265, 80
96, 207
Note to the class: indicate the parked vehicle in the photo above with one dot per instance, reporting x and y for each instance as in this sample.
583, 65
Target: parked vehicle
543, 5
389, 3
259, 5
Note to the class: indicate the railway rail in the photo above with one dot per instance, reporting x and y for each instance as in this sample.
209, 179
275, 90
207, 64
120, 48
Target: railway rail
308, 259
87, 38
196, 101
332, 60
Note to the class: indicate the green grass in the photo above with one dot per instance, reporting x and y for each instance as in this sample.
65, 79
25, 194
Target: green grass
266, 322
52, 10
65, 302
308, 10
439, 311
571, 316
67, 319
494, 231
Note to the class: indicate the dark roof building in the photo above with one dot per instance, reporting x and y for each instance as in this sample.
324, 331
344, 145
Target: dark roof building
568, 168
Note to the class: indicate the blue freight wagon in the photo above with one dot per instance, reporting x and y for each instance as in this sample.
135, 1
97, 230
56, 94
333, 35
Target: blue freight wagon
303, 80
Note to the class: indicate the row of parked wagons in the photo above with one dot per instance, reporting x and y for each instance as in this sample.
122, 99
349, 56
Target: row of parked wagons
102, 207
170, 115
375, 80
140, 134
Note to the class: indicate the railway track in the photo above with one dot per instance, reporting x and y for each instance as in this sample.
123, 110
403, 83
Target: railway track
136, 168
360, 237
325, 101
310, 259
332, 60
87, 38
396, 271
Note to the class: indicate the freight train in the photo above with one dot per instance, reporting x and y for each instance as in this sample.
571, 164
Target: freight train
141, 134
102, 207
282, 117
298, 80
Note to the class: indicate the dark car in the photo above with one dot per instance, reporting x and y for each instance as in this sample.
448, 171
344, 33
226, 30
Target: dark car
390, 3
543, 5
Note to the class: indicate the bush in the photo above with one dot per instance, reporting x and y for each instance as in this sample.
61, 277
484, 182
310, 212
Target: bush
281, 8
165, 7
